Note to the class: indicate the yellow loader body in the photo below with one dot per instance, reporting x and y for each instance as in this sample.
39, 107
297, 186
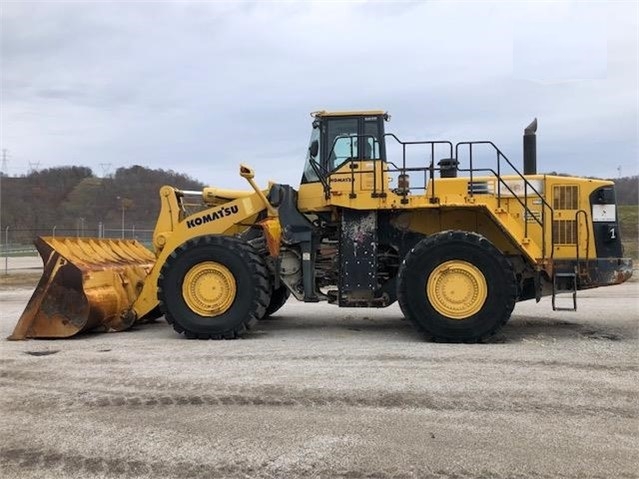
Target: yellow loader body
109, 284
455, 251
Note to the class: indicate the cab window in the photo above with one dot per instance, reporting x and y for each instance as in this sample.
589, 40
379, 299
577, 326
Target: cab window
371, 137
341, 140
309, 174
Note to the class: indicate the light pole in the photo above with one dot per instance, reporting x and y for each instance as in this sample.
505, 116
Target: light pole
6, 251
125, 204
122, 209
122, 219
79, 227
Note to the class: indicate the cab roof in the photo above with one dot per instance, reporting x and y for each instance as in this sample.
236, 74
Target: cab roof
324, 113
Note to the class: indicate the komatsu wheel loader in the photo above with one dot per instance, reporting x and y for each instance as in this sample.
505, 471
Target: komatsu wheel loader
455, 242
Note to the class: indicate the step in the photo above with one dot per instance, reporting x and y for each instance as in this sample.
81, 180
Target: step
556, 290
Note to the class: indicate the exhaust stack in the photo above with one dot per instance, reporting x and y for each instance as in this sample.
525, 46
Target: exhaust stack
530, 149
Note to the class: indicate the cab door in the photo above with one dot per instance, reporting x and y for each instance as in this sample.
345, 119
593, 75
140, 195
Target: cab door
355, 150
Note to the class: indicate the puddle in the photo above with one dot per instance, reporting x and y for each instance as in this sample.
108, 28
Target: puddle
48, 352
601, 335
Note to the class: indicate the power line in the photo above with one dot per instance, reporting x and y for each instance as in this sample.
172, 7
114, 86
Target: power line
33, 166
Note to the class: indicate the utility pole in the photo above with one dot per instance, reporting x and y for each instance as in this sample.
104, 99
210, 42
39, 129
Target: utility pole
33, 166
106, 167
123, 219
3, 170
121, 200
125, 204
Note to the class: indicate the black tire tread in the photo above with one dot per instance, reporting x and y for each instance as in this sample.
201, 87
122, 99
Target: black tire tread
278, 299
257, 267
432, 241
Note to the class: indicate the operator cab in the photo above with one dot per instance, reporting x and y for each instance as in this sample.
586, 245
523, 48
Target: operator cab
339, 137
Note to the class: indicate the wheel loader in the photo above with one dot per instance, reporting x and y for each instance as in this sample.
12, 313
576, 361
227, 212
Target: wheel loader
454, 233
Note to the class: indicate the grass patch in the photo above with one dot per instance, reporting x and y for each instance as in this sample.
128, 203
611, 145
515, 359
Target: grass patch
628, 216
29, 279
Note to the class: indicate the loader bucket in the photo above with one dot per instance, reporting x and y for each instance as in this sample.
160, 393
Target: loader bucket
87, 284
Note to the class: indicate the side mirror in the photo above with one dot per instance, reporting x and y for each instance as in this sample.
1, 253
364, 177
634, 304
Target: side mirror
247, 172
314, 148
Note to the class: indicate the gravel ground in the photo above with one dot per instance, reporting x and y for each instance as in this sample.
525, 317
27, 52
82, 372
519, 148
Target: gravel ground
319, 391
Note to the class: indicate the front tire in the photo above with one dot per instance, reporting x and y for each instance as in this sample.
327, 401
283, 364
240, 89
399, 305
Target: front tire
213, 287
278, 299
455, 286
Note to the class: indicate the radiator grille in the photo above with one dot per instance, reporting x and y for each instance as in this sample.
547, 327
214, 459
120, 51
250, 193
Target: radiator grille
564, 231
566, 197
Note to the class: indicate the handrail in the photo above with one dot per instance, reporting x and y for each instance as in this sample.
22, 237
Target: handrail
316, 168
431, 167
429, 176
500, 154
500, 181
577, 213
351, 160
378, 164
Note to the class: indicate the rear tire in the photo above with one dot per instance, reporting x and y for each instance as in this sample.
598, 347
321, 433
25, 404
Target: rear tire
213, 287
455, 286
278, 299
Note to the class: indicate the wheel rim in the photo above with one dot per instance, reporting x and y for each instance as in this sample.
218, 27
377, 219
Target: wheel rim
457, 289
209, 288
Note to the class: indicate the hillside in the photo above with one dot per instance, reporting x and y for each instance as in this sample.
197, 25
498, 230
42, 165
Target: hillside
627, 190
73, 201
629, 225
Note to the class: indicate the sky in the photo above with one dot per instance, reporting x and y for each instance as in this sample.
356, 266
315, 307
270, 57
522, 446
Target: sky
203, 86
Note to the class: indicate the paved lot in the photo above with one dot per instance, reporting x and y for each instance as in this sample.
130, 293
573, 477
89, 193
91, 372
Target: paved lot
323, 392
13, 264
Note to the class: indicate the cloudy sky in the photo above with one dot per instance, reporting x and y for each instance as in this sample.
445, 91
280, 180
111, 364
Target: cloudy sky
200, 87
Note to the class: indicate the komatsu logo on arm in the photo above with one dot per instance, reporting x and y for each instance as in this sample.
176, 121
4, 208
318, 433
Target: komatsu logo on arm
215, 215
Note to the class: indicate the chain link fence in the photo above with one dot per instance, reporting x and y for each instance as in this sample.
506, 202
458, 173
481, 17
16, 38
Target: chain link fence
19, 242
